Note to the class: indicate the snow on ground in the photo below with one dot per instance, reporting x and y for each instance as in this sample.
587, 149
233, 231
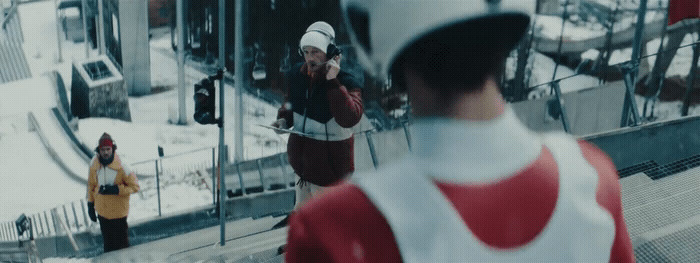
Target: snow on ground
30, 96
680, 64
550, 26
66, 260
542, 70
32, 182
24, 158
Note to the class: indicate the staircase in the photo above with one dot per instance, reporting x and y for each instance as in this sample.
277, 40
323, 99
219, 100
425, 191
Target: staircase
13, 62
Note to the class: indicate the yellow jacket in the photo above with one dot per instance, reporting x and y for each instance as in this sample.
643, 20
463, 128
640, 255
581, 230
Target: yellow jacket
111, 206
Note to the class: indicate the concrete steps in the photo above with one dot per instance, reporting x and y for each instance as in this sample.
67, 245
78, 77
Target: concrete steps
244, 238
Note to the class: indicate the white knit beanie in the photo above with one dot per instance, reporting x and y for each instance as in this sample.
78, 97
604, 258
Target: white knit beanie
319, 35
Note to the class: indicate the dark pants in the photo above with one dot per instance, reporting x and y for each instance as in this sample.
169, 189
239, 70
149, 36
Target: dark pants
115, 233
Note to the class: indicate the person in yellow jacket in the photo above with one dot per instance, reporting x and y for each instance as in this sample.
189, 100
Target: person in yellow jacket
109, 186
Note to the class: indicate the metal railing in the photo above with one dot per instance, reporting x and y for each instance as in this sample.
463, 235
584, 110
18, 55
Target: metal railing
624, 67
262, 175
57, 221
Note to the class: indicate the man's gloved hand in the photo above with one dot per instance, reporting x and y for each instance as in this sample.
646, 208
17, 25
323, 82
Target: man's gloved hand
111, 189
91, 211
333, 67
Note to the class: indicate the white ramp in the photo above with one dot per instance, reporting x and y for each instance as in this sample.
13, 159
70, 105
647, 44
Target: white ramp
37, 181
57, 141
34, 182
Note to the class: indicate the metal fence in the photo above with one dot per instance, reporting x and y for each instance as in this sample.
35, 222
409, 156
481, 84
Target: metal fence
61, 220
74, 214
262, 175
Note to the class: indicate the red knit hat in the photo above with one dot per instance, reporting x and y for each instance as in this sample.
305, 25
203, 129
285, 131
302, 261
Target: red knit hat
105, 140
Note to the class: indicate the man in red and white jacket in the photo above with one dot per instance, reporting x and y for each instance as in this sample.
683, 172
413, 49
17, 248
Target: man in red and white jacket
478, 186
322, 105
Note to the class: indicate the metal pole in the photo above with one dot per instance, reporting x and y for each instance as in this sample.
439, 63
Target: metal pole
83, 6
630, 102
158, 186
240, 179
182, 111
66, 227
35, 227
222, 87
65, 213
82, 206
75, 216
262, 174
560, 101
239, 81
58, 33
43, 233
691, 80
5, 232
372, 151
638, 32
213, 175
101, 23
48, 227
564, 16
407, 132
284, 171
7, 229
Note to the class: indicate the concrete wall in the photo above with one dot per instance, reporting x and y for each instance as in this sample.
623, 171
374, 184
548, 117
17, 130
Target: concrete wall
136, 58
388, 146
106, 97
594, 115
90, 243
589, 111
661, 142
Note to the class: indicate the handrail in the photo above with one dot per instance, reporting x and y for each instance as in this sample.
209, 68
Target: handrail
173, 155
65, 228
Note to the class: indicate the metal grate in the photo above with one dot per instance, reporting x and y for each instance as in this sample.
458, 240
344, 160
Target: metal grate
674, 167
97, 70
680, 246
637, 168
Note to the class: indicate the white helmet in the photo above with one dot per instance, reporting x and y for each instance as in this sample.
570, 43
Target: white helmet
381, 29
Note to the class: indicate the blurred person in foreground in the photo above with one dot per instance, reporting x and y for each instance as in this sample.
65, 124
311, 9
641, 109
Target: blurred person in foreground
322, 103
478, 186
110, 184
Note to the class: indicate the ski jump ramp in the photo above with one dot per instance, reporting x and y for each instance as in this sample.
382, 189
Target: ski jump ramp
35, 153
37, 99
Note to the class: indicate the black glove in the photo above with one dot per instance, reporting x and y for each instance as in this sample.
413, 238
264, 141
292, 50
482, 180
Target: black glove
111, 189
91, 211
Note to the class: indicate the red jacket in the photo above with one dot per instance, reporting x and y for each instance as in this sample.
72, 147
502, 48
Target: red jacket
343, 225
326, 110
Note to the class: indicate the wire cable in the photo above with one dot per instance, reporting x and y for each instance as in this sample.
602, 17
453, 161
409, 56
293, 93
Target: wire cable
614, 65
